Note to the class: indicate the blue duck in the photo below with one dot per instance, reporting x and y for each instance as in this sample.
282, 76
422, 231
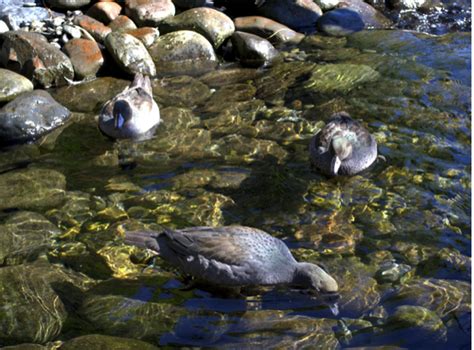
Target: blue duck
133, 113
343, 147
235, 256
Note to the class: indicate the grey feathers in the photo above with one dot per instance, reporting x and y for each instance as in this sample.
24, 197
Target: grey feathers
343, 147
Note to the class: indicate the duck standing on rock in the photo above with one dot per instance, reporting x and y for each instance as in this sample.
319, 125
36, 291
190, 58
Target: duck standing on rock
133, 113
235, 256
343, 147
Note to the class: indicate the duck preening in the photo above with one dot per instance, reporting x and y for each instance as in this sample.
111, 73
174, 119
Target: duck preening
133, 113
235, 256
343, 147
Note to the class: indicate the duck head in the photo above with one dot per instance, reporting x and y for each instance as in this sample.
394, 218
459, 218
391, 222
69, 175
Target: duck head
123, 114
316, 279
341, 149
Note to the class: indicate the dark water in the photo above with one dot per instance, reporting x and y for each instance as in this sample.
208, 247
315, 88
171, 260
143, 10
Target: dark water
233, 149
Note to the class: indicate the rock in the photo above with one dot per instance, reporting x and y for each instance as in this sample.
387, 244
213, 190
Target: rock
178, 118
25, 346
252, 50
340, 22
95, 92
147, 35
113, 307
223, 77
372, 18
326, 5
181, 91
122, 24
32, 189
187, 4
98, 30
300, 15
183, 52
227, 94
31, 55
24, 236
273, 31
99, 342
68, 4
337, 78
408, 320
32, 289
13, 84
85, 56
104, 12
15, 15
212, 24
130, 53
30, 116
149, 12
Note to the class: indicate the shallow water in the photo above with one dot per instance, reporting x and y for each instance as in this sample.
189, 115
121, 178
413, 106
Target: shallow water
233, 149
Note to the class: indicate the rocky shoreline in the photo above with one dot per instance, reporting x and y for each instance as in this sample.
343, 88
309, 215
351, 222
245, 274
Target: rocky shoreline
61, 42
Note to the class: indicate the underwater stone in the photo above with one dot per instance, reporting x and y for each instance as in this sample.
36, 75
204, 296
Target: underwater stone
24, 236
180, 91
33, 188
101, 342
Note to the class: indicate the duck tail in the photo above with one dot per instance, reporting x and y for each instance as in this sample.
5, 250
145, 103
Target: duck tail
143, 239
142, 81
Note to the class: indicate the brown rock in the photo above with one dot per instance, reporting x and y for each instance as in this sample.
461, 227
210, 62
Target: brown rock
85, 56
147, 35
269, 29
31, 55
105, 12
95, 28
122, 23
149, 12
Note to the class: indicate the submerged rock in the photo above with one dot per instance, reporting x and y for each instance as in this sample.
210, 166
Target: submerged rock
131, 308
183, 52
130, 53
408, 321
180, 91
212, 24
31, 189
89, 96
252, 50
29, 117
35, 289
24, 236
31, 55
13, 84
100, 342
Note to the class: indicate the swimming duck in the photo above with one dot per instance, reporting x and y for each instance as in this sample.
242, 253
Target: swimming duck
133, 113
235, 256
343, 147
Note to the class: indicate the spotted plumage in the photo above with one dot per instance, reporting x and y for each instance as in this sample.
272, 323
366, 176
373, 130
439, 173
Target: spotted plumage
343, 147
133, 113
234, 256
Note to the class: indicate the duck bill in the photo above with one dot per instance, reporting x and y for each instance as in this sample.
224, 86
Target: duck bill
335, 165
119, 120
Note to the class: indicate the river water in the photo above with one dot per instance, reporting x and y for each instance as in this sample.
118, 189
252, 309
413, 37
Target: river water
233, 149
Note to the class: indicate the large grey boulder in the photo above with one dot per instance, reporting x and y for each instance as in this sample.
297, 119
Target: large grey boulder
29, 117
